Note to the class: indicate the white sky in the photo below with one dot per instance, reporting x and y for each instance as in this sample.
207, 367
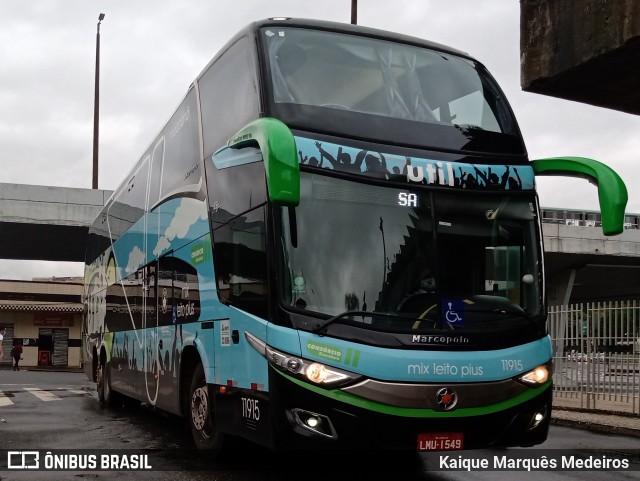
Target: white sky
151, 50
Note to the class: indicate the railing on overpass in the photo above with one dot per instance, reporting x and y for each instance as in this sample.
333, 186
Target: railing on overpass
597, 355
586, 218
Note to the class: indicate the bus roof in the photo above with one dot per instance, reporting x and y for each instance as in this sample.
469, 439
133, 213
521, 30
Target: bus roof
360, 30
336, 27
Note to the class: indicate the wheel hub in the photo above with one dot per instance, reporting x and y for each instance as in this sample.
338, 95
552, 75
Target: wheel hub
199, 408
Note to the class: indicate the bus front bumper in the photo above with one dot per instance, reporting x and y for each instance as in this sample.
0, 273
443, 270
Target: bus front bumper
305, 419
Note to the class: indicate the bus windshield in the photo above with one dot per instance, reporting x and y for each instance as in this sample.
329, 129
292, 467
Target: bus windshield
413, 253
414, 88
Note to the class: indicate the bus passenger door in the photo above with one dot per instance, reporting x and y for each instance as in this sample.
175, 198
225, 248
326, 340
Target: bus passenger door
241, 277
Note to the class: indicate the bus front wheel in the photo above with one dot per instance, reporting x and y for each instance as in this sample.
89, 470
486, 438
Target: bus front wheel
203, 429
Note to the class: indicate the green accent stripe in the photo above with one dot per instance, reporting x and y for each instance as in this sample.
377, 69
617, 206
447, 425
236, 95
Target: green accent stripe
347, 358
347, 398
356, 358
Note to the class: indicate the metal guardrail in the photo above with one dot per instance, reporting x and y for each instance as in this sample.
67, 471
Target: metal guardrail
597, 355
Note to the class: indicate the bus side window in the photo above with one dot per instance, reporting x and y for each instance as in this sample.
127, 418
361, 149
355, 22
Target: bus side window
181, 149
228, 95
132, 287
149, 304
128, 204
165, 280
235, 190
178, 292
156, 173
124, 299
240, 261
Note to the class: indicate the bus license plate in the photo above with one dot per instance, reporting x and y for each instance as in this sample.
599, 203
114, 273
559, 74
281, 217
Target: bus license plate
440, 441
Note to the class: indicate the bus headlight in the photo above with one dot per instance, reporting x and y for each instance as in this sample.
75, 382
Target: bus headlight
310, 371
304, 369
536, 376
319, 373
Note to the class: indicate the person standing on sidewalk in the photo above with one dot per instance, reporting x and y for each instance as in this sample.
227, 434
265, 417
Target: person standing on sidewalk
2, 330
16, 352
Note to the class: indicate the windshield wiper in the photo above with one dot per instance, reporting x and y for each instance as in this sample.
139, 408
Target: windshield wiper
488, 304
322, 328
512, 310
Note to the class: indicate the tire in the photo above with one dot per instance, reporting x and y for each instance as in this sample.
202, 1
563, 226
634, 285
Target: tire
106, 395
100, 382
201, 415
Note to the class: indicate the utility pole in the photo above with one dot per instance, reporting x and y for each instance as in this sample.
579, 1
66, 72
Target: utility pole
96, 106
354, 12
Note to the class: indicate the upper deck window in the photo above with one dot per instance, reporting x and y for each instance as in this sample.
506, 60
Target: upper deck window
376, 80
228, 95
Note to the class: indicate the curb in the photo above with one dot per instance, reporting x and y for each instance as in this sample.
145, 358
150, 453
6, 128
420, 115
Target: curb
600, 421
596, 427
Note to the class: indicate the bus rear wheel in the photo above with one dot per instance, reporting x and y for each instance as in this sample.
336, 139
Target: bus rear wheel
106, 395
203, 429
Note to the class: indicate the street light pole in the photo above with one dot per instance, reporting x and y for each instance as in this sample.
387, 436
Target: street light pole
96, 106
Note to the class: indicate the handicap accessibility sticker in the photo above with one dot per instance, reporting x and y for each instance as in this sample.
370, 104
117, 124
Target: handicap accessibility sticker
453, 312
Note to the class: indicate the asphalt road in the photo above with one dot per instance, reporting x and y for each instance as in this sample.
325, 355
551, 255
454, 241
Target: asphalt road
60, 411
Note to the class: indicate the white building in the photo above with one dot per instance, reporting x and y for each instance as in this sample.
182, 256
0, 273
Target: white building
45, 316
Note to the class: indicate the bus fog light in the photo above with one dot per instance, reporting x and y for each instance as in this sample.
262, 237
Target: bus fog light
316, 423
537, 418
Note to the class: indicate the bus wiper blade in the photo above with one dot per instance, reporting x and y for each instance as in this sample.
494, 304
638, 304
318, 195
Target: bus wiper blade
497, 304
322, 328
513, 311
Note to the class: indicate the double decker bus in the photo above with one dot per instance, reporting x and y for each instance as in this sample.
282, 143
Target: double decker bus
334, 242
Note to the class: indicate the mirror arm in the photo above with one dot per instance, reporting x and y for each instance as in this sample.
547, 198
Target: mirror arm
612, 191
279, 153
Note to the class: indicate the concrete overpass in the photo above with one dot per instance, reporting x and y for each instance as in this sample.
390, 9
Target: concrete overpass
582, 50
586, 51
47, 223
51, 223
583, 265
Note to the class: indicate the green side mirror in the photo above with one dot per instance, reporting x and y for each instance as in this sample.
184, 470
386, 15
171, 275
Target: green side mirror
278, 147
612, 192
